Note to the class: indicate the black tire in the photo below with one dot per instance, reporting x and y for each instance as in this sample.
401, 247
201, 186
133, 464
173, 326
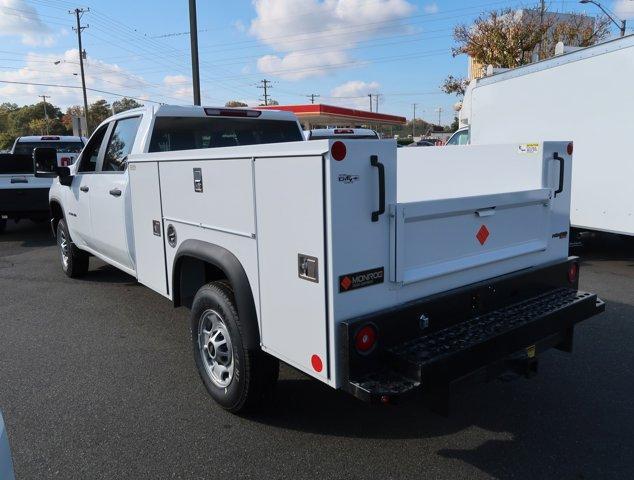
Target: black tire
254, 373
3, 224
74, 261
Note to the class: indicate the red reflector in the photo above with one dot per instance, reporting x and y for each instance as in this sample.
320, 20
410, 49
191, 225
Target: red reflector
65, 161
232, 112
365, 339
573, 272
316, 363
483, 234
570, 148
338, 151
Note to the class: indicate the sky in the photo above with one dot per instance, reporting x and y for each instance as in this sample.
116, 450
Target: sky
342, 50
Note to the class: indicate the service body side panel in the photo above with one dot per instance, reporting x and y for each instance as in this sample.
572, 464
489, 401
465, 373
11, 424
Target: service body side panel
221, 214
290, 222
148, 238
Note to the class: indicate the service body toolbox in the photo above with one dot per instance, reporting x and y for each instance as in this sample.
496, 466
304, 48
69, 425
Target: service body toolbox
374, 274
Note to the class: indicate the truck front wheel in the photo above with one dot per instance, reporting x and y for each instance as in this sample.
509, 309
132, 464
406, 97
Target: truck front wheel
236, 377
74, 261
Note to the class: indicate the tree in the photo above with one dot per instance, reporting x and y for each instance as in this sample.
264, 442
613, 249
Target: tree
98, 112
125, 104
511, 38
235, 103
73, 111
271, 102
453, 85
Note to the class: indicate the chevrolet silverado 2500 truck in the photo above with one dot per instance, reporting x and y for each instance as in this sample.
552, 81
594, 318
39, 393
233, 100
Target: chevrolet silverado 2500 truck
373, 274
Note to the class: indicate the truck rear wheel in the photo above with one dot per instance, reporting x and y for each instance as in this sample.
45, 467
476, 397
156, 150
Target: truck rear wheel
236, 377
74, 261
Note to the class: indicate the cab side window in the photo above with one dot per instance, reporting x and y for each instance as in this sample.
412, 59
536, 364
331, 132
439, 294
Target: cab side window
90, 154
120, 144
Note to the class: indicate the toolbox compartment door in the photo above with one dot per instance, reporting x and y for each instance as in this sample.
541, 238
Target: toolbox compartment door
440, 237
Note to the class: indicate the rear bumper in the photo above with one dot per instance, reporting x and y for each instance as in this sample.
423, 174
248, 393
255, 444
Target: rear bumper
473, 332
24, 203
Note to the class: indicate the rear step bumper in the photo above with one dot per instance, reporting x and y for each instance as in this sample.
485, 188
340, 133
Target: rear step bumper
478, 346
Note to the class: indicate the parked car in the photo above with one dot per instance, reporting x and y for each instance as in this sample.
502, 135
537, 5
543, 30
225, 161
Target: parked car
460, 137
68, 147
371, 279
341, 133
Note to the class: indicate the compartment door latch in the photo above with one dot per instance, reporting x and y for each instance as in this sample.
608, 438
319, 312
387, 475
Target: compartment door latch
307, 268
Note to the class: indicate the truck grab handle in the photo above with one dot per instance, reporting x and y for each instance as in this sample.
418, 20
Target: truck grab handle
560, 188
374, 161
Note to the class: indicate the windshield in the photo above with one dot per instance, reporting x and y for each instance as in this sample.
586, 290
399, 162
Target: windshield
26, 148
189, 133
15, 163
461, 137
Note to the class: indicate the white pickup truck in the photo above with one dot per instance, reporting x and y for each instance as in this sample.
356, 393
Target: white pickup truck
376, 275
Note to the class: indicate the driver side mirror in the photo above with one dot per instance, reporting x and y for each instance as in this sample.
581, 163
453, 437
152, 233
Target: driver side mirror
45, 163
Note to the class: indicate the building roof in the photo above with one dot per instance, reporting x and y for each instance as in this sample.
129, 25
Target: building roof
320, 114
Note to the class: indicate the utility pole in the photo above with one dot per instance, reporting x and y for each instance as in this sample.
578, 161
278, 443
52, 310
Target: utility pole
376, 101
312, 97
44, 97
78, 12
370, 95
439, 110
193, 35
414, 121
266, 85
542, 13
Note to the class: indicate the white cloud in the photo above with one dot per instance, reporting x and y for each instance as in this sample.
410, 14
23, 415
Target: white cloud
99, 75
354, 93
288, 26
624, 8
179, 86
431, 8
18, 18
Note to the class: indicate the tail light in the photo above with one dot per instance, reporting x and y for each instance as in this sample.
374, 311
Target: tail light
573, 272
365, 339
570, 148
338, 151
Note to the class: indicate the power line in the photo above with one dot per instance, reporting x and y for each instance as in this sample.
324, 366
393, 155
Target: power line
77, 87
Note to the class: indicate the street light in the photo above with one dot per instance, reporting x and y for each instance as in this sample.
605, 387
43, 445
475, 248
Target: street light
620, 26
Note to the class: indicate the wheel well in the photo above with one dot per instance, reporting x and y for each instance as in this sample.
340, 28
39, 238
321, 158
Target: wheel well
56, 215
193, 273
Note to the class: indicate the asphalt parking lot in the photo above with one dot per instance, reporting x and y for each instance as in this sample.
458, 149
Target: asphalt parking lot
97, 381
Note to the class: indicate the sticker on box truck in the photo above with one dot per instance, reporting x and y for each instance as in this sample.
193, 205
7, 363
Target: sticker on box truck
528, 148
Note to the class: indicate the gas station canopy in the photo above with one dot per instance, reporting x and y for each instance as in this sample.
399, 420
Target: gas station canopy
329, 115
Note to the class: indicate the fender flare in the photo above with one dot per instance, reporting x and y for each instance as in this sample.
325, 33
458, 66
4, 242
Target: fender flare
227, 262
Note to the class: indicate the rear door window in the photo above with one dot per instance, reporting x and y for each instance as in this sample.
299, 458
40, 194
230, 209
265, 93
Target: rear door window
189, 133
120, 144
26, 148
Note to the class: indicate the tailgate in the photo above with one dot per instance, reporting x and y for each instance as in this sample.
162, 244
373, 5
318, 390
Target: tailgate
439, 237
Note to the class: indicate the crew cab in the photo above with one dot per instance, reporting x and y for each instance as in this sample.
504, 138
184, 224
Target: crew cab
378, 272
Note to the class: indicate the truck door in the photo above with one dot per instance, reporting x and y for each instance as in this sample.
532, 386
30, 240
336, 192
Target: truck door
110, 200
77, 198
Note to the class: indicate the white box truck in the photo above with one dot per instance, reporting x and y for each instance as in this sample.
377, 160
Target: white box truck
586, 96
376, 276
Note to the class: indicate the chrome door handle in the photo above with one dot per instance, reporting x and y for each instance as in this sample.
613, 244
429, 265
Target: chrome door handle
84, 188
115, 192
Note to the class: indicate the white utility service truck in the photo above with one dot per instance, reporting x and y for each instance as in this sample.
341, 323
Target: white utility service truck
586, 96
372, 274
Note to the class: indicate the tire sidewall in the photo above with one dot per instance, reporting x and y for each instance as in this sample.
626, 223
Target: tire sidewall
232, 396
61, 226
